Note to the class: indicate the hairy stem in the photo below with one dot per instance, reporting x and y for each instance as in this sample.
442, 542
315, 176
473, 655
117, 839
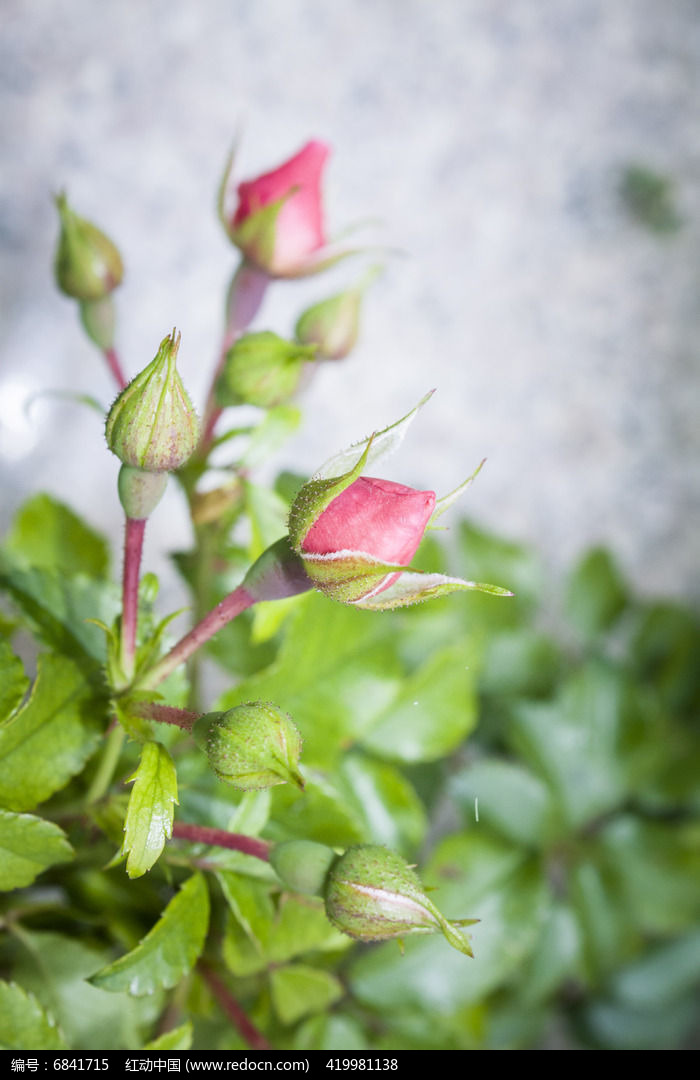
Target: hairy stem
114, 365
230, 606
133, 546
166, 714
203, 834
238, 1017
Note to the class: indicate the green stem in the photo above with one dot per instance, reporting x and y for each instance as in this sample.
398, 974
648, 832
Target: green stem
108, 763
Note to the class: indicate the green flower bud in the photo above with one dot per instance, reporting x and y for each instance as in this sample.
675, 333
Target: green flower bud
262, 369
302, 865
333, 325
152, 425
140, 491
372, 894
88, 265
252, 746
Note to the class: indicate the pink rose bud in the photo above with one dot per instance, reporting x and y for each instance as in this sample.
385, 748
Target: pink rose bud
383, 519
278, 222
355, 535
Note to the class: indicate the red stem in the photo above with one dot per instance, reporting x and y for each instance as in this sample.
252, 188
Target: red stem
115, 367
133, 546
166, 714
245, 296
230, 606
244, 1026
203, 834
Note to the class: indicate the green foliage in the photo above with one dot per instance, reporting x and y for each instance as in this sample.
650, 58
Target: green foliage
28, 845
168, 951
149, 815
24, 1024
47, 534
51, 737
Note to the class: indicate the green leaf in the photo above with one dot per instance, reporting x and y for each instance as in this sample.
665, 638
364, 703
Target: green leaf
336, 666
298, 990
57, 608
46, 533
179, 1038
507, 798
591, 744
301, 927
149, 816
52, 736
487, 557
663, 975
13, 681
330, 1032
433, 712
321, 813
169, 949
56, 969
387, 803
481, 877
656, 868
596, 594
23, 1023
268, 515
274, 429
28, 845
521, 663
556, 957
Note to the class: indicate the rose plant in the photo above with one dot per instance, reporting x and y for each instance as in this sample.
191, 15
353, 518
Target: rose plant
233, 869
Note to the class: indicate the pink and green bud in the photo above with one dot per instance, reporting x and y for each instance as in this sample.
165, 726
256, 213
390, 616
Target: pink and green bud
278, 220
356, 535
140, 491
334, 324
252, 746
152, 425
372, 894
262, 369
302, 865
88, 265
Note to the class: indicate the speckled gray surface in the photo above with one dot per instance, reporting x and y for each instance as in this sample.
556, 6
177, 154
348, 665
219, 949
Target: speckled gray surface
490, 140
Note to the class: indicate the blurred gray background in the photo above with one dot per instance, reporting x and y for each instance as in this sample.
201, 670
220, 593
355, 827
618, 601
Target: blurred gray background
490, 140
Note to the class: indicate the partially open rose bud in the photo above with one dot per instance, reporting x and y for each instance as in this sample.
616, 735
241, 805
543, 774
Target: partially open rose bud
372, 894
356, 534
278, 221
152, 425
88, 265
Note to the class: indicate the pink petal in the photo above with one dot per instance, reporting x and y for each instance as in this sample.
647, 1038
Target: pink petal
383, 519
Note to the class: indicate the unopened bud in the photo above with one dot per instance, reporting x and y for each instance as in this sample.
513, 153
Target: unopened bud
262, 369
252, 746
372, 894
152, 425
333, 325
88, 265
